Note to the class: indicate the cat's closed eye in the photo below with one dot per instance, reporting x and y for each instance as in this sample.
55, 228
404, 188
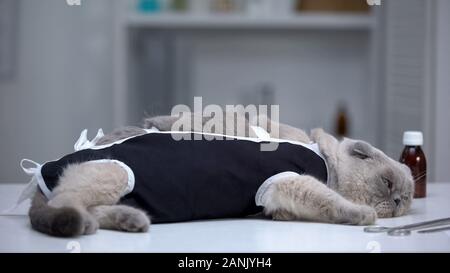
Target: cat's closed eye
388, 183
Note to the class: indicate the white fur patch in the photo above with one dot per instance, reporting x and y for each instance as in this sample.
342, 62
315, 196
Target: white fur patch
261, 196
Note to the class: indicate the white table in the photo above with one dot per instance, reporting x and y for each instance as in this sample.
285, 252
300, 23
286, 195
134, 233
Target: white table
235, 235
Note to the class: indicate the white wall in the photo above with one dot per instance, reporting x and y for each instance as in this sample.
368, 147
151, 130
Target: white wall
442, 123
310, 73
62, 83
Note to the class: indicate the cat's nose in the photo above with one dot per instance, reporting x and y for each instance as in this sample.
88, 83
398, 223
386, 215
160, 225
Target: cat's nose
397, 201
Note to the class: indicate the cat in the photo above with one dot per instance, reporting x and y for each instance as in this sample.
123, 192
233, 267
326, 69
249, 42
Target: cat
364, 184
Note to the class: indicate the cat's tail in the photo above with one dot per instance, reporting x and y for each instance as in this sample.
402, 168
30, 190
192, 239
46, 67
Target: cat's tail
62, 222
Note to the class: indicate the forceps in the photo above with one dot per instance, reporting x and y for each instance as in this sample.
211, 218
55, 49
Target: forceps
406, 229
434, 230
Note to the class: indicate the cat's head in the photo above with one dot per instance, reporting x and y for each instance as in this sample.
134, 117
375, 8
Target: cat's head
365, 175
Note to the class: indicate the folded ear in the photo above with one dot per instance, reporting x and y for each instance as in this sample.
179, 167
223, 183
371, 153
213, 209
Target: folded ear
361, 150
328, 144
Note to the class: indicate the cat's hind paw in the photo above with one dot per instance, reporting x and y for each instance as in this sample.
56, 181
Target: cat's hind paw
90, 224
133, 221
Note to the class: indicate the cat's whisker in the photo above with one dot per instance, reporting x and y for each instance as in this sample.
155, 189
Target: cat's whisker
420, 176
422, 173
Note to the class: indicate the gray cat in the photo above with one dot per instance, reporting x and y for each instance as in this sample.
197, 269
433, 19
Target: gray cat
364, 183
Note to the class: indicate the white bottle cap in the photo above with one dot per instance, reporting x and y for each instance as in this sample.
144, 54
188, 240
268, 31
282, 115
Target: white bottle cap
412, 138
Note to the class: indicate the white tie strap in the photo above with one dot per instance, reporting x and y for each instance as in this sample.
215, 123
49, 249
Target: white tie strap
35, 171
32, 170
30, 189
261, 133
99, 135
83, 142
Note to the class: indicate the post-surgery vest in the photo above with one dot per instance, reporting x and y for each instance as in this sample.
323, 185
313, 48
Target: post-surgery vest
179, 180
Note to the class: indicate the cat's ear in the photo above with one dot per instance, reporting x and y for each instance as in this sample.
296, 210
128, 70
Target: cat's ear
328, 144
361, 150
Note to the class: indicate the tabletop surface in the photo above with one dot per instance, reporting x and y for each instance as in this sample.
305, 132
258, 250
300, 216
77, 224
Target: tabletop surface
235, 235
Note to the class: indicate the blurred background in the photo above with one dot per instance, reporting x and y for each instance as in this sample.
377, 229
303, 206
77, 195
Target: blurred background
368, 72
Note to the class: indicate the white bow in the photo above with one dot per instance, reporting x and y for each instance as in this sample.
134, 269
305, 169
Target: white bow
32, 186
30, 189
83, 142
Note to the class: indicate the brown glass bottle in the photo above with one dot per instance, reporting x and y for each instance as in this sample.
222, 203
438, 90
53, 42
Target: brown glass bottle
414, 158
342, 122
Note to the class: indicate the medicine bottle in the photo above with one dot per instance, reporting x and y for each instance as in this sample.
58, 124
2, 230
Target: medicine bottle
414, 158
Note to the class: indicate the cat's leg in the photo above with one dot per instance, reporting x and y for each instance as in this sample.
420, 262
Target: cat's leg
120, 217
119, 134
162, 123
303, 197
82, 186
184, 122
280, 130
229, 121
232, 123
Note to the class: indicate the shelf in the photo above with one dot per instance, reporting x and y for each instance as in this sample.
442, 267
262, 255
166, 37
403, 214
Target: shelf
304, 21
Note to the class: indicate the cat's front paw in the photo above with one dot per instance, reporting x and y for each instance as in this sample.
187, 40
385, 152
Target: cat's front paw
282, 215
363, 215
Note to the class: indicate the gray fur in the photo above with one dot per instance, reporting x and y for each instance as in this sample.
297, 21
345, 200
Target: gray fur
62, 222
358, 176
119, 134
364, 184
85, 200
121, 217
